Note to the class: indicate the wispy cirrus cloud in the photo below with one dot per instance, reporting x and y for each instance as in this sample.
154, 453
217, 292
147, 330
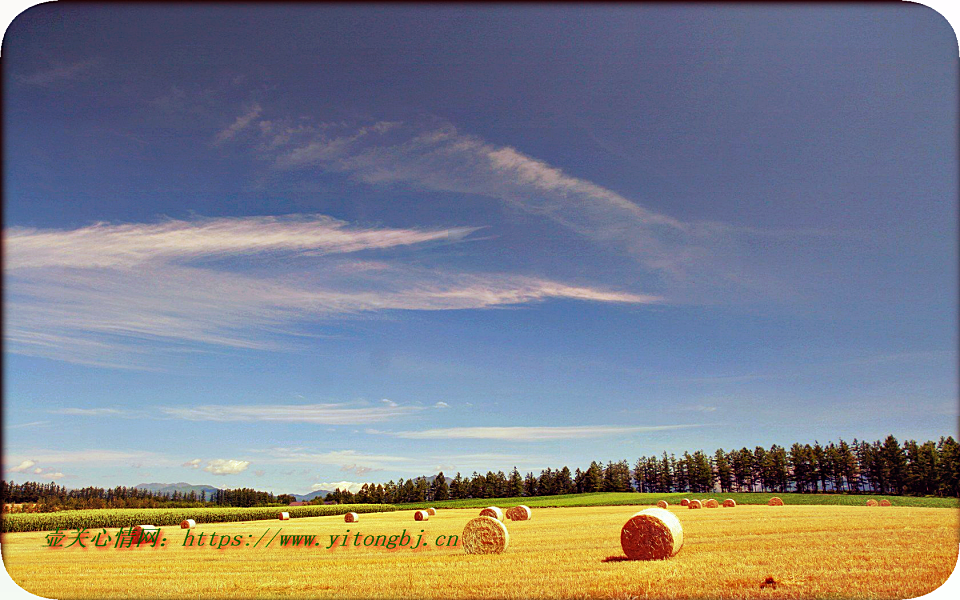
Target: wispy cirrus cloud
417, 464
93, 456
318, 414
141, 245
435, 155
59, 73
115, 295
242, 122
345, 460
532, 434
88, 412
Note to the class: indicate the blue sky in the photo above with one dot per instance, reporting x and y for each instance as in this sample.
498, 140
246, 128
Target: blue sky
285, 247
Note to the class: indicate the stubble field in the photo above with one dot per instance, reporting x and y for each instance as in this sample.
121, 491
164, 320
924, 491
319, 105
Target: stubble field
808, 551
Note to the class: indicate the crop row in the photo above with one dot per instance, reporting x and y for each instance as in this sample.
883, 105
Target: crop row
127, 517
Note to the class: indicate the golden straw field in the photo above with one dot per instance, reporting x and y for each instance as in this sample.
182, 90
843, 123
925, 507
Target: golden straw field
808, 551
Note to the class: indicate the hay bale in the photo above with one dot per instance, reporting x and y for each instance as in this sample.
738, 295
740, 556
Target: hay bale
729, 503
431, 511
421, 515
684, 502
188, 524
872, 503
284, 516
775, 501
711, 503
492, 511
351, 517
662, 504
651, 534
694, 504
519, 513
141, 530
885, 502
485, 535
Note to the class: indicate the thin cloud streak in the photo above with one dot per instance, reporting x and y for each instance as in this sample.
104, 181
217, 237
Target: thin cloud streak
137, 244
242, 122
117, 295
531, 434
318, 414
59, 73
94, 456
436, 156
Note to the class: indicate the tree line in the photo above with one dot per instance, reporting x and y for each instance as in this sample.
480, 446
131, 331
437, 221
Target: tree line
50, 497
882, 467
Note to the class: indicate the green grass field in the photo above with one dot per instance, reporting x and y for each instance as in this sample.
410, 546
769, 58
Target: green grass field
628, 498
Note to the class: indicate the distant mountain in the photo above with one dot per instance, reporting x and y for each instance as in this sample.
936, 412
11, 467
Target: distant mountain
433, 478
182, 487
322, 493
311, 495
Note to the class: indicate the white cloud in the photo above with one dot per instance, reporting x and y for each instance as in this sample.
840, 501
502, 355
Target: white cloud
352, 486
326, 414
23, 466
532, 434
141, 245
242, 122
59, 73
87, 412
686, 260
220, 466
192, 464
389, 402
30, 424
94, 457
358, 469
116, 295
441, 405
437, 156
335, 457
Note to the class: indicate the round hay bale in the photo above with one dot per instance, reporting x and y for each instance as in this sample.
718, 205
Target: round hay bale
485, 535
651, 534
684, 502
872, 503
519, 513
140, 530
662, 504
421, 515
885, 502
775, 501
351, 517
694, 504
284, 516
431, 511
188, 524
729, 503
711, 503
492, 511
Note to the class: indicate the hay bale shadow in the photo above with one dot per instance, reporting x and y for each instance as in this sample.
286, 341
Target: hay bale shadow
615, 559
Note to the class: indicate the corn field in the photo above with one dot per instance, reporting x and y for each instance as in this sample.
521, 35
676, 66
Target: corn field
127, 517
